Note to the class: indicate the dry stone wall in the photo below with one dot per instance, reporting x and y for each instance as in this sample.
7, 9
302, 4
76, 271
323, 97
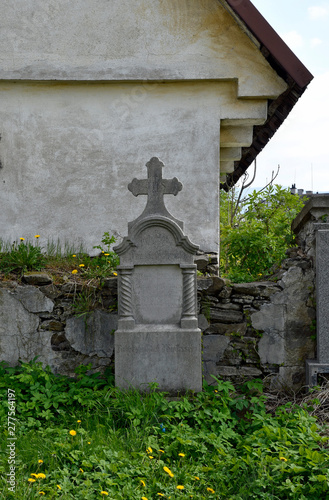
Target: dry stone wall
39, 320
263, 329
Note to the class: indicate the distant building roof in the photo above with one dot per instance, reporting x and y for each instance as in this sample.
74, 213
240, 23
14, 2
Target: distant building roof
287, 66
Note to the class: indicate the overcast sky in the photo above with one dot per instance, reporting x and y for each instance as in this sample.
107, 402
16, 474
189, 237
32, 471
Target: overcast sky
301, 144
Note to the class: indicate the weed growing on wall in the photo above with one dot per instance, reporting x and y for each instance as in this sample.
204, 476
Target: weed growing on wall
84, 439
56, 258
22, 256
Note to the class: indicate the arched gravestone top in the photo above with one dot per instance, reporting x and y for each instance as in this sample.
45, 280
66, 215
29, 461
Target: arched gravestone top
155, 237
158, 339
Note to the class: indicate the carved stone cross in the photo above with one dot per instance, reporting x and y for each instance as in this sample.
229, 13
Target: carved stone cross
155, 187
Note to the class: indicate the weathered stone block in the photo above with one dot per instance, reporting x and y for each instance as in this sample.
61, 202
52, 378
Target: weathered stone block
17, 329
37, 278
271, 348
271, 318
93, 335
33, 300
250, 372
201, 262
214, 347
242, 299
227, 329
225, 293
217, 285
225, 316
203, 283
203, 323
256, 289
226, 371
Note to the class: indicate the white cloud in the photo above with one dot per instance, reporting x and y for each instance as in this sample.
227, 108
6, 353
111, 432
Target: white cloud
315, 42
317, 12
293, 39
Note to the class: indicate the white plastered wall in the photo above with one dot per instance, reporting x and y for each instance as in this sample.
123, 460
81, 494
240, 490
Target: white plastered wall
69, 147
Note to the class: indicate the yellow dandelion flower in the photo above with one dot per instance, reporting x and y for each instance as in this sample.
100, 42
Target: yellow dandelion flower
149, 450
115, 274
31, 480
33, 474
181, 454
168, 471
143, 482
37, 236
42, 493
197, 478
107, 254
79, 421
74, 271
74, 255
210, 490
40, 461
22, 239
89, 442
58, 486
180, 487
41, 476
81, 265
160, 494
104, 493
73, 433
150, 456
283, 459
161, 451
144, 498
81, 470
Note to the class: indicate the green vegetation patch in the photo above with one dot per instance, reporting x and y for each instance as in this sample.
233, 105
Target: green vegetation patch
83, 438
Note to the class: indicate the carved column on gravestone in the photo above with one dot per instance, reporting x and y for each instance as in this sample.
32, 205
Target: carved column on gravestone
125, 298
189, 297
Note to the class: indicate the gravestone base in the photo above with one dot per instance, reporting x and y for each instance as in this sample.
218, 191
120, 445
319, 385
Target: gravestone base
171, 357
313, 368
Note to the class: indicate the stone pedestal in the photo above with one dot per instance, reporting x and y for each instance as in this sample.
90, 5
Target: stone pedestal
158, 339
321, 364
167, 355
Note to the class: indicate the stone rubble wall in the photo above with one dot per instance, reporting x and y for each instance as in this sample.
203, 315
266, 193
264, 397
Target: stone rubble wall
262, 329
38, 319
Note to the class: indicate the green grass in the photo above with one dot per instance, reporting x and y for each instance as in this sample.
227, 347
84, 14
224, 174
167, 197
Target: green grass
218, 444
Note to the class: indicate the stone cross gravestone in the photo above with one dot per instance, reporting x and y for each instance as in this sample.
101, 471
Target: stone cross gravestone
321, 364
158, 339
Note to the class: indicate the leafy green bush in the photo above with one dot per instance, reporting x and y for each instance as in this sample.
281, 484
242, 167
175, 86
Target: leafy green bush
256, 232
